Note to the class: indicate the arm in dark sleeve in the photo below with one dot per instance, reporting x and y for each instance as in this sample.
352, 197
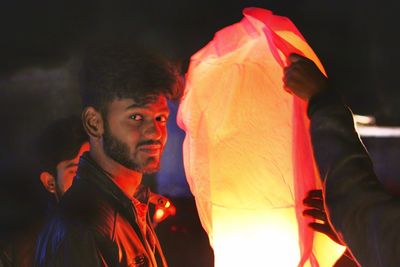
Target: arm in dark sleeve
364, 215
65, 245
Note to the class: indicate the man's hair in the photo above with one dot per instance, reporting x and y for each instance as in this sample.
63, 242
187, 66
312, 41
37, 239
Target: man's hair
122, 70
60, 141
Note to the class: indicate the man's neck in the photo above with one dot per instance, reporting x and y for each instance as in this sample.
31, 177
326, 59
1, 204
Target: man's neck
126, 179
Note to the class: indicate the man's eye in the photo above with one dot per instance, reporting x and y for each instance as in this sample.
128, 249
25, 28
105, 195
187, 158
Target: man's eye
162, 118
136, 117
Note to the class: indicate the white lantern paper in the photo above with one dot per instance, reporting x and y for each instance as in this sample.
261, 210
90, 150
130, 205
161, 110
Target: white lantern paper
247, 152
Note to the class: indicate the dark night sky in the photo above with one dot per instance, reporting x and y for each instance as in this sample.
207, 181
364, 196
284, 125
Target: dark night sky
357, 41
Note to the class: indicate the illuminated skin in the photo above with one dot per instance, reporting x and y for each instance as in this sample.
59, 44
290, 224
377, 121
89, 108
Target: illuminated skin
135, 135
131, 141
315, 209
65, 171
303, 78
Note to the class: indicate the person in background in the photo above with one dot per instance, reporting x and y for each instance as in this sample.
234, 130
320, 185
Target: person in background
364, 215
59, 149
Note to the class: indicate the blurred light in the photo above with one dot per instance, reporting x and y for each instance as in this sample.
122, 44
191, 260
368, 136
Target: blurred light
377, 131
163, 208
365, 120
158, 215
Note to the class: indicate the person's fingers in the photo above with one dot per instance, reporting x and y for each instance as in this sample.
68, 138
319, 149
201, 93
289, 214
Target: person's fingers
288, 70
317, 193
292, 76
290, 84
292, 58
316, 214
287, 89
314, 203
287, 77
320, 227
294, 73
285, 69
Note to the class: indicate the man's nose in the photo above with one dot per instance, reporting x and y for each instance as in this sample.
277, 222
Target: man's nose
153, 131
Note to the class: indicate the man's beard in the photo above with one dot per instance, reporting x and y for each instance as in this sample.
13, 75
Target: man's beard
119, 152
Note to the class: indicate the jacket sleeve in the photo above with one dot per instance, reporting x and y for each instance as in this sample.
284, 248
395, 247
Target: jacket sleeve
63, 245
364, 215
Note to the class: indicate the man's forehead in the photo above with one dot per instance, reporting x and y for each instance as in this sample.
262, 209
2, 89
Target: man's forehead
156, 102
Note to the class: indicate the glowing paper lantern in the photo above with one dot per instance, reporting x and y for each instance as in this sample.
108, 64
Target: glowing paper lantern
247, 152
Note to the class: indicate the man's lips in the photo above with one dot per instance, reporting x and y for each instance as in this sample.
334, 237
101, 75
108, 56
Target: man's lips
154, 149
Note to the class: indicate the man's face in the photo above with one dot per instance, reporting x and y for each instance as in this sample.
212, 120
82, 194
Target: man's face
66, 171
135, 135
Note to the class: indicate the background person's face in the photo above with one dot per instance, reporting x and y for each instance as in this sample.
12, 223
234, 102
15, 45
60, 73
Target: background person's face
135, 135
66, 171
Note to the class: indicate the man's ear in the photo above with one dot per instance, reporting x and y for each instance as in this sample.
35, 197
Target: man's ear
92, 122
48, 182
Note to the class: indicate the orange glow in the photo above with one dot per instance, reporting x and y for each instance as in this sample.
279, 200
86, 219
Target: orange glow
247, 153
268, 235
159, 214
163, 208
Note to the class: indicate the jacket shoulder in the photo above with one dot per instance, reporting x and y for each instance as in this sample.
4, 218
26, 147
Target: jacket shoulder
78, 230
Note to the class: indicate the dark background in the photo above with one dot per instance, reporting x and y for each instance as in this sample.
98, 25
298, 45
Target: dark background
357, 42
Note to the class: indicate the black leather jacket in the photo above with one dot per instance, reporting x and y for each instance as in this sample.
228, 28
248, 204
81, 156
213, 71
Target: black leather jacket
96, 225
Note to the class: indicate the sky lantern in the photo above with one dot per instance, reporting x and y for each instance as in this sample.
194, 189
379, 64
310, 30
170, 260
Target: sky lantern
247, 151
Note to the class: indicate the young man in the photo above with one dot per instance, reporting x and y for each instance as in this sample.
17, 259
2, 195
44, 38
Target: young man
364, 215
60, 146
102, 220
